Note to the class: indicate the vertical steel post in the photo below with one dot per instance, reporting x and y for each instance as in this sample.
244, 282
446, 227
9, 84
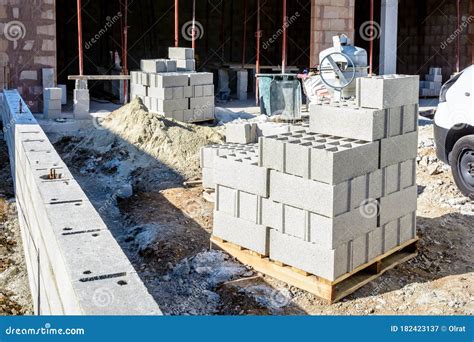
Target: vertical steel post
79, 38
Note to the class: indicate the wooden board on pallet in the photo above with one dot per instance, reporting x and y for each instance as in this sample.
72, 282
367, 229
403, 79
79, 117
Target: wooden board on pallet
332, 291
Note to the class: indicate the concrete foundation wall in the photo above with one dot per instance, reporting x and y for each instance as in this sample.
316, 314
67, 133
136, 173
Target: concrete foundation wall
75, 266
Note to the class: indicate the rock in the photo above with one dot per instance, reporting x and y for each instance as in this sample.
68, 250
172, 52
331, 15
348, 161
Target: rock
433, 169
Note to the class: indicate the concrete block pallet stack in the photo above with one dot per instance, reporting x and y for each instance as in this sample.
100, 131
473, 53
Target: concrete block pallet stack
172, 87
432, 84
329, 200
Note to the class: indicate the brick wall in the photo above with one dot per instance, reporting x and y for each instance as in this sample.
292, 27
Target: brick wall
28, 44
329, 18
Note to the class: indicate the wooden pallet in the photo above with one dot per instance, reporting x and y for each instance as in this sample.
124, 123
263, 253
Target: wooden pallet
332, 291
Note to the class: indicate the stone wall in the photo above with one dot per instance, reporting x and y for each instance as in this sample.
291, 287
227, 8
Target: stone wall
329, 18
28, 44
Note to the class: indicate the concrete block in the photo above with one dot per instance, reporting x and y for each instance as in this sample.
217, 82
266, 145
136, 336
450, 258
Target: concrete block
295, 222
348, 121
242, 84
407, 174
271, 214
241, 132
208, 178
398, 204
247, 206
81, 94
52, 94
272, 128
186, 64
397, 149
188, 91
410, 118
328, 233
375, 244
168, 106
366, 188
226, 200
359, 251
324, 158
407, 227
388, 91
435, 71
178, 93
161, 93
153, 65
395, 117
201, 78
198, 91
326, 263
138, 90
201, 102
241, 173
63, 88
208, 90
390, 235
434, 78
180, 53
168, 80
144, 79
317, 197
210, 152
171, 65
241, 232
178, 115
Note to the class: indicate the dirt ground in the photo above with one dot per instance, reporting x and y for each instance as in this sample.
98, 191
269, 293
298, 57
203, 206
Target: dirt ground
15, 297
166, 234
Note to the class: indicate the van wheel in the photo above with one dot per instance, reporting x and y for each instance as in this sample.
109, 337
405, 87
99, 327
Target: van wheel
462, 165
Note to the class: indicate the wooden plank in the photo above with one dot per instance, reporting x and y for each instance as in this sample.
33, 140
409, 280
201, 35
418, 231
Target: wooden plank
99, 77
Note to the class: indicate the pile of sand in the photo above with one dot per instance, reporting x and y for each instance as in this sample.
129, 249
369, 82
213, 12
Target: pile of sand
146, 138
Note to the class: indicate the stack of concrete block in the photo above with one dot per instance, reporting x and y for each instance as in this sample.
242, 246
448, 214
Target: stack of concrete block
431, 86
184, 58
75, 266
182, 95
81, 104
248, 132
332, 199
52, 101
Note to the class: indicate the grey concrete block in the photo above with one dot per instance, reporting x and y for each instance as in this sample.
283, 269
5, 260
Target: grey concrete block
247, 206
210, 152
168, 106
161, 93
324, 158
241, 173
171, 65
328, 233
407, 173
348, 121
201, 102
180, 53
208, 90
168, 80
375, 244
359, 251
241, 232
395, 117
138, 90
388, 91
317, 197
366, 188
201, 78
186, 64
198, 91
208, 178
272, 128
153, 65
271, 214
226, 200
398, 204
295, 222
398, 149
241, 132
178, 115
178, 93
145, 79
188, 91
203, 114
325, 263
81, 95
52, 94
390, 235
410, 118
407, 227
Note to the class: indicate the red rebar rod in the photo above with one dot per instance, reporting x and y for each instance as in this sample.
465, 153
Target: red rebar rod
194, 26
258, 35
371, 39
244, 39
283, 51
176, 23
79, 38
458, 39
125, 52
